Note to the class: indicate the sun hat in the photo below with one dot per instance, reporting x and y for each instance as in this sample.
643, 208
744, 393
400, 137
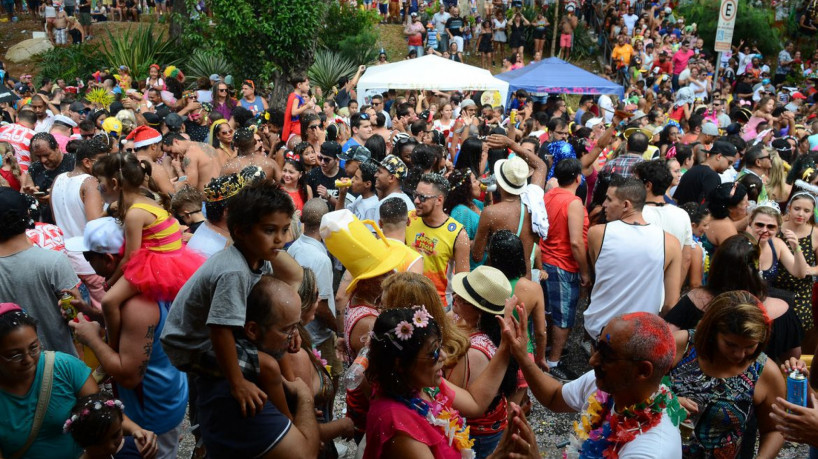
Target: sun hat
102, 235
353, 244
511, 174
486, 288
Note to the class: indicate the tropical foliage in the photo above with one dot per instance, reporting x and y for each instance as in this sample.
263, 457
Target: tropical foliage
68, 63
754, 25
203, 63
139, 48
328, 68
351, 32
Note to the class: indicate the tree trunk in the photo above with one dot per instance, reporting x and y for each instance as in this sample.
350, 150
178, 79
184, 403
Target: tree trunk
178, 18
556, 26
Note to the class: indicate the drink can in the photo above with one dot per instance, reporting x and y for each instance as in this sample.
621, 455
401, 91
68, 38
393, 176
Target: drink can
797, 388
513, 116
65, 305
343, 183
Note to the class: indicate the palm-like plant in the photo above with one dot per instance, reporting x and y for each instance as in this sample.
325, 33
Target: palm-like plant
205, 63
69, 63
328, 68
138, 49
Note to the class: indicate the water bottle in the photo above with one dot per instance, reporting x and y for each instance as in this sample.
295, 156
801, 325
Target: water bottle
355, 373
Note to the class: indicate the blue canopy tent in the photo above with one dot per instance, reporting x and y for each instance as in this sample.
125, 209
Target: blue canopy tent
555, 76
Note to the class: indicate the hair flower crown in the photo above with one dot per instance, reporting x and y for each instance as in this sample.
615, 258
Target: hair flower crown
404, 330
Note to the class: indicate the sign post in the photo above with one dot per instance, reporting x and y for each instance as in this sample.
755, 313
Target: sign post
724, 32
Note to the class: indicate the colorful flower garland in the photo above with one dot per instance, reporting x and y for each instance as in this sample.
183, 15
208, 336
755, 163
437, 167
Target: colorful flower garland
447, 419
603, 432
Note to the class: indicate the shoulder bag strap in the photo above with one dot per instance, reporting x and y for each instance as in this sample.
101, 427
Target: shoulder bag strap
42, 403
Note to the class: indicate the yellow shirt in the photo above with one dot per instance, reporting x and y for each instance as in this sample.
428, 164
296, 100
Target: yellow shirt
437, 247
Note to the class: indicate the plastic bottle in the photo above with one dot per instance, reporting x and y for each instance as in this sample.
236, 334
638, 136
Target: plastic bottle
355, 373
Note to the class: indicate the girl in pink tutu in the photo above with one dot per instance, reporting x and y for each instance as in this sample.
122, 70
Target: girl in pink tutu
155, 261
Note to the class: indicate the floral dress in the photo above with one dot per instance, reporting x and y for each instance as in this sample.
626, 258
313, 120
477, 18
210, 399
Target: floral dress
801, 288
725, 404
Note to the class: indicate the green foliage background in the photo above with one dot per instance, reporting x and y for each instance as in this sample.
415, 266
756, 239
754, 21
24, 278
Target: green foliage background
752, 25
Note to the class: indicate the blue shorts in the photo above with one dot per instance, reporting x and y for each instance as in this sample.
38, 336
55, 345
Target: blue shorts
226, 433
561, 295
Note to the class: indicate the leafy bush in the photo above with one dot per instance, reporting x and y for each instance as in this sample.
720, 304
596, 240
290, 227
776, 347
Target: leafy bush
754, 25
328, 68
351, 32
138, 49
203, 63
69, 63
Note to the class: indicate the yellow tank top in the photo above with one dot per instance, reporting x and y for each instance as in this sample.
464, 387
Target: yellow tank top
437, 247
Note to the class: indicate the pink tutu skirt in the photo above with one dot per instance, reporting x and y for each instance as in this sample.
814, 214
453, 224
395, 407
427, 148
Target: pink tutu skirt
160, 275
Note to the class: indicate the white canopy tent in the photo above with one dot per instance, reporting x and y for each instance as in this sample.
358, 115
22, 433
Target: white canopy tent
427, 72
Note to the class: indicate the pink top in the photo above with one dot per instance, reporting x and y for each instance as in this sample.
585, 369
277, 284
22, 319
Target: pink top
388, 417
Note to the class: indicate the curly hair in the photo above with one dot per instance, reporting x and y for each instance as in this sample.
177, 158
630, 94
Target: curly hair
460, 192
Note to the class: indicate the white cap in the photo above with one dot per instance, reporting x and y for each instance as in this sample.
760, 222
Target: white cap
593, 122
65, 120
103, 235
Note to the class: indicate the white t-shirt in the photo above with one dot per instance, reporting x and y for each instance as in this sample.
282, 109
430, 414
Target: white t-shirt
630, 22
400, 195
365, 209
661, 442
671, 219
607, 107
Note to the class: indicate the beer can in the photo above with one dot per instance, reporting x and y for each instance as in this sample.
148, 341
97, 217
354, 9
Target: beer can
797, 388
513, 116
65, 305
343, 183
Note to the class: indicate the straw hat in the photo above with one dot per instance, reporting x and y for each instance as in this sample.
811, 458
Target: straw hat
485, 288
511, 174
354, 245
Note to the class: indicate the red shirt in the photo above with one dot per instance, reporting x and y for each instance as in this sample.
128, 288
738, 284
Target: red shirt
556, 248
19, 137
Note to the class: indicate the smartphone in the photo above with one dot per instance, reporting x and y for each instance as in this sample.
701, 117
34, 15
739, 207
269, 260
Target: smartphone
40, 194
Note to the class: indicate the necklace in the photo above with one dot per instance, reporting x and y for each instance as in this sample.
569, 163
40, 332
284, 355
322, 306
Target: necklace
446, 419
602, 431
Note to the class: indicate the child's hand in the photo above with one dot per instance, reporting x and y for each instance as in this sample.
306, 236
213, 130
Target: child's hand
251, 399
146, 443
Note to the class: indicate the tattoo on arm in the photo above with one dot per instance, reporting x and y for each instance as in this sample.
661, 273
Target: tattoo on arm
151, 332
143, 368
186, 162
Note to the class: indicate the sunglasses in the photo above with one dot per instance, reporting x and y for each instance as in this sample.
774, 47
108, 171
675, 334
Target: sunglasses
364, 116
222, 90
325, 159
424, 197
607, 353
227, 131
769, 227
129, 150
314, 127
434, 356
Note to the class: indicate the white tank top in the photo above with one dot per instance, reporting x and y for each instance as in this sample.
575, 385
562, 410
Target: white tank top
69, 213
629, 274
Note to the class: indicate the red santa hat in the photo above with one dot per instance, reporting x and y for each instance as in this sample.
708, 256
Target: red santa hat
143, 136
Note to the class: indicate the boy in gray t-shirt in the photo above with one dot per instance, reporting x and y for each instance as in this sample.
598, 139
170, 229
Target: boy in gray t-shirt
211, 306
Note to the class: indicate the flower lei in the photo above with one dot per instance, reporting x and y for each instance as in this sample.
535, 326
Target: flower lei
447, 419
602, 432
87, 410
322, 360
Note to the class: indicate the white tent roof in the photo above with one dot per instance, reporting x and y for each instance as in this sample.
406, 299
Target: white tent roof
427, 72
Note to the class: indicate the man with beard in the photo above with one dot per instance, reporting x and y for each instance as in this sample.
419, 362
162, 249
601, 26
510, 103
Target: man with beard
435, 235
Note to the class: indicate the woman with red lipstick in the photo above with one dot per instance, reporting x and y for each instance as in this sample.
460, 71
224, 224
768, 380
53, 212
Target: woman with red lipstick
800, 220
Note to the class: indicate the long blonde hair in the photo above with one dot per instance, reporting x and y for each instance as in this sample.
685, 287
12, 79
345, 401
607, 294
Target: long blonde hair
778, 173
403, 290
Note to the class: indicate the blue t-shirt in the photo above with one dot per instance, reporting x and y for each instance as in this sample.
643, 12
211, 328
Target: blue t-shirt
348, 144
17, 412
158, 403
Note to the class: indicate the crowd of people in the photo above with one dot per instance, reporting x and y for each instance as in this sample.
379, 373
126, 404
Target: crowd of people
196, 250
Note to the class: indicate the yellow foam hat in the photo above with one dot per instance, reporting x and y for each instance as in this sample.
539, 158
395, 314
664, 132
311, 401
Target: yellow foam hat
353, 244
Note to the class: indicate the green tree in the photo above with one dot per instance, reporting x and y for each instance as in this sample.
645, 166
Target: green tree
263, 39
753, 25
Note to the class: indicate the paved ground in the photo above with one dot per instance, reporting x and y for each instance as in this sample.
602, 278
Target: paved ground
551, 428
